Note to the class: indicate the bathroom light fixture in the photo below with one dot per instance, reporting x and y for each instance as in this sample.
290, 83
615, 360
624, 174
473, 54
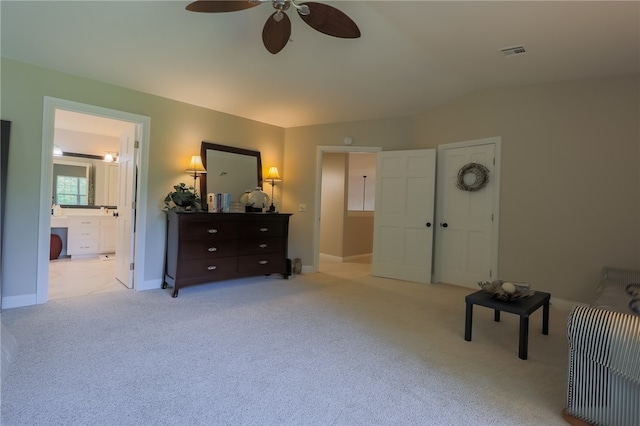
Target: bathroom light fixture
272, 177
108, 158
195, 168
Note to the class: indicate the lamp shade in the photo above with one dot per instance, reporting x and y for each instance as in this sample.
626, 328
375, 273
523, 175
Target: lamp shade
196, 165
272, 175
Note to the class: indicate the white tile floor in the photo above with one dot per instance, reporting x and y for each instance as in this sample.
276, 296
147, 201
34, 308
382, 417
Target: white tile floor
80, 277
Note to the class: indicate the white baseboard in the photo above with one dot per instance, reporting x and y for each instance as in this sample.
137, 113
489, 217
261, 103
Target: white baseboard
308, 269
150, 285
332, 258
566, 304
358, 257
9, 302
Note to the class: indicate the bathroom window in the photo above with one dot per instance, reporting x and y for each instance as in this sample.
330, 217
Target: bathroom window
72, 184
71, 190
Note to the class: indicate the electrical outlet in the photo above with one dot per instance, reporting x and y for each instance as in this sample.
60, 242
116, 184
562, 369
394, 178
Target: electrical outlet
302, 208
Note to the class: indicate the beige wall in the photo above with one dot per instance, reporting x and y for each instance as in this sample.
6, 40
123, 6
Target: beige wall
342, 233
334, 168
176, 132
358, 234
570, 191
570, 168
300, 164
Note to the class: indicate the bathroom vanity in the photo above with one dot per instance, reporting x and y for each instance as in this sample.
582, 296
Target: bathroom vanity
87, 235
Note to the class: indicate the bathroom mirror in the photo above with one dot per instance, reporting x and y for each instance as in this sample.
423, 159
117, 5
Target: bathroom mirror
97, 181
230, 170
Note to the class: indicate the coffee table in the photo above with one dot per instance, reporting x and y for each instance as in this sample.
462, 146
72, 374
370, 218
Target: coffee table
522, 307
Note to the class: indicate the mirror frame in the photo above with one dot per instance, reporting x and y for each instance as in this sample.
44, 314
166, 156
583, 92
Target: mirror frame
66, 156
207, 146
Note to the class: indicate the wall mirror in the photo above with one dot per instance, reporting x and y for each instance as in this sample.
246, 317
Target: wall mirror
84, 181
230, 170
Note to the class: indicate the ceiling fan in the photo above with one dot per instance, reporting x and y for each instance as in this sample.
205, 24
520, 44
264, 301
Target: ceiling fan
277, 30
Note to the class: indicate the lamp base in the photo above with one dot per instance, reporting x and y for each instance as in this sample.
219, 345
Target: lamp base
272, 209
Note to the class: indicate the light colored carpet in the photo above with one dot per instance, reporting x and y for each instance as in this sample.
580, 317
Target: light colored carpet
332, 348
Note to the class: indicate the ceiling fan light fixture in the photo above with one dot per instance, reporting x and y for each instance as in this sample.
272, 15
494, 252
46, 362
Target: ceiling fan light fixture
303, 9
276, 32
281, 4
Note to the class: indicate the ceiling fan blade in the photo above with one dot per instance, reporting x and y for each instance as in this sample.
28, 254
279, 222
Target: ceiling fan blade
217, 6
329, 20
275, 34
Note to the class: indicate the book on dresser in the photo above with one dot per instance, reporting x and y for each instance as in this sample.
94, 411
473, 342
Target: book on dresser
207, 247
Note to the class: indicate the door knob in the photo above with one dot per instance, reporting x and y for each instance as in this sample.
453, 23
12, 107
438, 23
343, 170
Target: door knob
444, 225
428, 224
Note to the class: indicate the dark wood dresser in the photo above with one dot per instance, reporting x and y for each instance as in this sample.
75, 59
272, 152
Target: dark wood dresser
207, 247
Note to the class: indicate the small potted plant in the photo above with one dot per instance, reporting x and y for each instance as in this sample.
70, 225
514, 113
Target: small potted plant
183, 199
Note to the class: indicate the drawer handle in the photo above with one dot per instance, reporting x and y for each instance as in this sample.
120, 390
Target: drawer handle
263, 262
212, 268
212, 231
263, 245
264, 229
212, 249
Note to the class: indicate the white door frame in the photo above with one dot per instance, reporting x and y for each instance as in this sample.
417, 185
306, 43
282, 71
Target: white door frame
143, 123
497, 141
320, 150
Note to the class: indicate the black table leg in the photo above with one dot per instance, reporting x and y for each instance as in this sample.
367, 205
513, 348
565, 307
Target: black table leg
496, 315
468, 322
545, 318
524, 337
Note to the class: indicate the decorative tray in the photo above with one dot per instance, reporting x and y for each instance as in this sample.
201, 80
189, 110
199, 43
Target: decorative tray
507, 291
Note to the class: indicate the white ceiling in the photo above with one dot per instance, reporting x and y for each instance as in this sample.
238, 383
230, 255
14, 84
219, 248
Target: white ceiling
412, 55
89, 134
84, 123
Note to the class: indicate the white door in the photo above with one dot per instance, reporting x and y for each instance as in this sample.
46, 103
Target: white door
403, 219
466, 228
112, 184
126, 214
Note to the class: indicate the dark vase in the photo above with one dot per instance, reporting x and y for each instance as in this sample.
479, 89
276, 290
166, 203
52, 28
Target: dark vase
55, 248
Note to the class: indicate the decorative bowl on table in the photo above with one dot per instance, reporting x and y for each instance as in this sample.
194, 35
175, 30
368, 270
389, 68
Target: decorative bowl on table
507, 291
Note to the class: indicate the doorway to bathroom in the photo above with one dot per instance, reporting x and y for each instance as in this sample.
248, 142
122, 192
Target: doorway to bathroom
97, 223
85, 189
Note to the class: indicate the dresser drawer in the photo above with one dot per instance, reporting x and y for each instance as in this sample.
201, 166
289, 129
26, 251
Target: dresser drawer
84, 232
206, 229
195, 249
209, 269
261, 264
263, 229
261, 246
209, 247
79, 247
84, 221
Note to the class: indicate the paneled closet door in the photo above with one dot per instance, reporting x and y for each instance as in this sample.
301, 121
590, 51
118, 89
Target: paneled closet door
403, 220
